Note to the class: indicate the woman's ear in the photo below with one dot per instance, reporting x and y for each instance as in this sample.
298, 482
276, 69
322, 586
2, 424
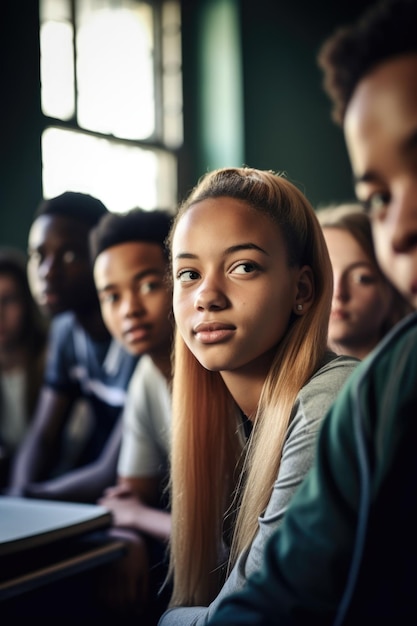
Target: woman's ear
305, 290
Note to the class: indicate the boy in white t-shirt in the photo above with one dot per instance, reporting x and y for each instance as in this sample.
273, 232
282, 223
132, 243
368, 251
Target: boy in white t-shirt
130, 263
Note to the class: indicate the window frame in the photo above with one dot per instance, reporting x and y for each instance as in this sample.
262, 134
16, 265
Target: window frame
153, 142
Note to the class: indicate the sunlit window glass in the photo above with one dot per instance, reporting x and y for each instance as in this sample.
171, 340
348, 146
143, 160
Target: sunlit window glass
121, 176
111, 88
115, 69
172, 83
57, 69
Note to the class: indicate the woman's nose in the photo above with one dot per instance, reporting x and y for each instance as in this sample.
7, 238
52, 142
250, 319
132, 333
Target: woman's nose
210, 297
340, 288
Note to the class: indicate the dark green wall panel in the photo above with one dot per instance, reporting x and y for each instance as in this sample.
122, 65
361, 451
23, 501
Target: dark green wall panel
20, 160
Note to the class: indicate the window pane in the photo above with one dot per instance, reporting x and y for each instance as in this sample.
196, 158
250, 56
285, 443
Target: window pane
57, 69
126, 85
115, 68
172, 74
56, 10
121, 176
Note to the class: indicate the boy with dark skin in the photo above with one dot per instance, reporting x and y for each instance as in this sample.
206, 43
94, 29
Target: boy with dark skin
130, 264
346, 551
130, 272
82, 362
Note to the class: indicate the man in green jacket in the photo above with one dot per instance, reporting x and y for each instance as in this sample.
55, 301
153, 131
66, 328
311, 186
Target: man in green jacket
346, 552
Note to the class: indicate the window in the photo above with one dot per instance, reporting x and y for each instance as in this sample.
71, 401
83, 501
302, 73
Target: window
111, 95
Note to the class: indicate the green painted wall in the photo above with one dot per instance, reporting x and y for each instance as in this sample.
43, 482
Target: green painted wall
287, 114
20, 161
284, 115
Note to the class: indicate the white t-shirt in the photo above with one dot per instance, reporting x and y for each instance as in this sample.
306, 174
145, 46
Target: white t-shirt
146, 423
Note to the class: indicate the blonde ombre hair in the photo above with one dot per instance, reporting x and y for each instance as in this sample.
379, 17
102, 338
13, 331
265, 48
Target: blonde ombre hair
216, 479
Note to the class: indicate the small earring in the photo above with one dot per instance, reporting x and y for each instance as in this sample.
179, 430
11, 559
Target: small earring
299, 307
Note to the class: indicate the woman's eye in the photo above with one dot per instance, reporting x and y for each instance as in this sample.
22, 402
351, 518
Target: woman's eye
364, 279
186, 276
245, 268
376, 205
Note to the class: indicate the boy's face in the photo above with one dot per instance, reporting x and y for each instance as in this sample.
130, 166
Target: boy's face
59, 269
134, 297
381, 135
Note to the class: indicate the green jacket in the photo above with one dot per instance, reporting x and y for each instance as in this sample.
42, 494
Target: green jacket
346, 552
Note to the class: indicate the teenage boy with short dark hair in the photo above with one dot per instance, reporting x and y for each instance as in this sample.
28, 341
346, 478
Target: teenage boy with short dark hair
83, 361
130, 263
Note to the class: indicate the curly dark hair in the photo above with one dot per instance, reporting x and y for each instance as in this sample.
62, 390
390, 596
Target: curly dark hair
134, 226
385, 30
73, 204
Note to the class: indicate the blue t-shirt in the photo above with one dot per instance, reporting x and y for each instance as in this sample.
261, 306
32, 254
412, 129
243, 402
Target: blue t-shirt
81, 367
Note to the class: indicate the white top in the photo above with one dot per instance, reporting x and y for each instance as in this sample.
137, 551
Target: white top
146, 423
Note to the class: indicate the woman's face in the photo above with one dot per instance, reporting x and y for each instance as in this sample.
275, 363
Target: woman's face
233, 289
361, 299
12, 312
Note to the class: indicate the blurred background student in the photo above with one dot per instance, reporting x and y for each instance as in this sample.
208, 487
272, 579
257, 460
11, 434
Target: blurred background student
365, 304
130, 264
83, 361
23, 334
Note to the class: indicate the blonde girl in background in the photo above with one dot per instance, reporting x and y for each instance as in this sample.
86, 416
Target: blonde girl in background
252, 288
365, 304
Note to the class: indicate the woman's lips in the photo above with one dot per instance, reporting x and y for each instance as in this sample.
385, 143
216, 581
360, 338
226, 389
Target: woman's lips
213, 332
338, 314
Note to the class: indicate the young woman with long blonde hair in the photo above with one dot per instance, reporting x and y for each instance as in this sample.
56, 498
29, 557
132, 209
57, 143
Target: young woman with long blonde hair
252, 287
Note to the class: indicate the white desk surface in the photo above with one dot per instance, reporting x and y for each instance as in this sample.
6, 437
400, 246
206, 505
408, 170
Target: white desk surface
43, 541
28, 523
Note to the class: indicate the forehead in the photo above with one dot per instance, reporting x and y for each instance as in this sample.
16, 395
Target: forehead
382, 113
56, 229
336, 236
127, 258
343, 246
229, 217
